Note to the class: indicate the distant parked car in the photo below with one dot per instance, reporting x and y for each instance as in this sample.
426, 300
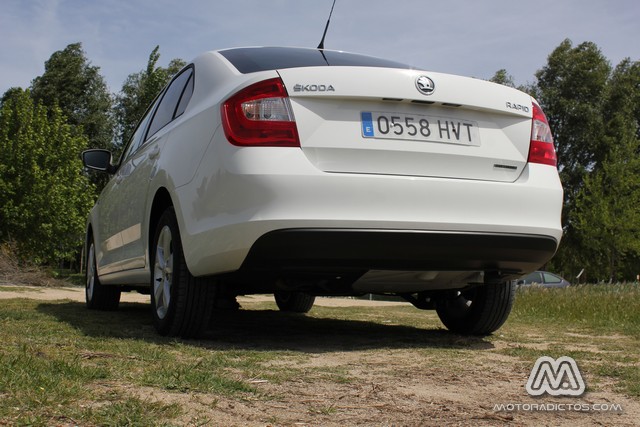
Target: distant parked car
544, 279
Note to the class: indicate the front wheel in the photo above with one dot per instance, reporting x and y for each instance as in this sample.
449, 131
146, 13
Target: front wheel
97, 295
294, 302
181, 304
477, 311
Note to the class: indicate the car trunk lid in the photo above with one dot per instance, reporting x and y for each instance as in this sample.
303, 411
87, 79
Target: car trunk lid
407, 122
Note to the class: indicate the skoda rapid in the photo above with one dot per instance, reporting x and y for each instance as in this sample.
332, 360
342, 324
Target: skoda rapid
305, 172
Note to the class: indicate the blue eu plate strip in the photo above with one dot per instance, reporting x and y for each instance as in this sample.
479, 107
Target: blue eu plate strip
367, 124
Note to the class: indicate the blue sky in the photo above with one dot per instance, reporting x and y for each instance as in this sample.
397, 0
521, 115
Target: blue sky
467, 37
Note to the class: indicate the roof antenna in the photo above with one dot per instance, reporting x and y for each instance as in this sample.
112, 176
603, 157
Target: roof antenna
321, 45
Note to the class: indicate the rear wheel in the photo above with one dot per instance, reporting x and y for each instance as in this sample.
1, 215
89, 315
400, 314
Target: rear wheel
181, 304
98, 296
294, 302
477, 311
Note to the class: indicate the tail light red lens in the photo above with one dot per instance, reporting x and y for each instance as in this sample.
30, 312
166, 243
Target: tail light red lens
541, 149
260, 115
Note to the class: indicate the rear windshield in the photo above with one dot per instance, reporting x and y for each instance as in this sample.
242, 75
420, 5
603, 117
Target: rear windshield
254, 59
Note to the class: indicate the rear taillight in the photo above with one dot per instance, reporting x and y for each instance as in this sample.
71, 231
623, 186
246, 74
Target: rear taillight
541, 149
260, 115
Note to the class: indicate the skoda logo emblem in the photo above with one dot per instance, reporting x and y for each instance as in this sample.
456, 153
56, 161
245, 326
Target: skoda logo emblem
425, 85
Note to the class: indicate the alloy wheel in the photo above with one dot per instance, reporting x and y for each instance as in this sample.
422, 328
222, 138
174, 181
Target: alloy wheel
91, 273
163, 272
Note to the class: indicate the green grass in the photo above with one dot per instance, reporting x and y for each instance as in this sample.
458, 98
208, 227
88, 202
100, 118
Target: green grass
71, 277
597, 325
54, 355
18, 289
128, 411
603, 308
61, 364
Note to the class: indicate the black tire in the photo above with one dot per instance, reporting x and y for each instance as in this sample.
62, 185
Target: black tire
477, 311
98, 296
294, 302
181, 304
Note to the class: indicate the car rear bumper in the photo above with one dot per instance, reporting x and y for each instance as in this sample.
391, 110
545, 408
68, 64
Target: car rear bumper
277, 197
335, 250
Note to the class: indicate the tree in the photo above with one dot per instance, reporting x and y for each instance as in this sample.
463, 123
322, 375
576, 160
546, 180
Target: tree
44, 197
503, 77
79, 90
139, 91
11, 93
623, 97
571, 89
607, 215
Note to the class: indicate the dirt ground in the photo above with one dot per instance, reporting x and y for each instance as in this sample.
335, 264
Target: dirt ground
390, 384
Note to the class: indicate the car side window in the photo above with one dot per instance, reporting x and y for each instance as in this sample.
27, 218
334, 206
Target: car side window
185, 98
138, 136
168, 106
551, 278
534, 277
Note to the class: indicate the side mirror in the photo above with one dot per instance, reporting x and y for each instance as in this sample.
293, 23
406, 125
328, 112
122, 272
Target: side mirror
99, 160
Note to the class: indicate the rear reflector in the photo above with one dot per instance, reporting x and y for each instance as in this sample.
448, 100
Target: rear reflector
541, 149
260, 115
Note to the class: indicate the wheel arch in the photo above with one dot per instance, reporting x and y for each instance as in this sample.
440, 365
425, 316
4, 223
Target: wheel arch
88, 239
88, 235
161, 201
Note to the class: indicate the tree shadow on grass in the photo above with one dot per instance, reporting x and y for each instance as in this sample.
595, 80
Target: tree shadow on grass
266, 330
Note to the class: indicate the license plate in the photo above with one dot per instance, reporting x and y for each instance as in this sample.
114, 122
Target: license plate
415, 127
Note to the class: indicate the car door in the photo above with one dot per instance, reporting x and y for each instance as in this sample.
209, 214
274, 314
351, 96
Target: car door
131, 192
112, 208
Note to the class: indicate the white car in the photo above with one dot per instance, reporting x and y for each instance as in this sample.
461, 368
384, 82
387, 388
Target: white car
303, 172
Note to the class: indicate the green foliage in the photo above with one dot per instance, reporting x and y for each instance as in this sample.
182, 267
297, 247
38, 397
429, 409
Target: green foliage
606, 215
139, 91
593, 112
503, 77
606, 209
622, 108
71, 83
77, 88
571, 92
44, 197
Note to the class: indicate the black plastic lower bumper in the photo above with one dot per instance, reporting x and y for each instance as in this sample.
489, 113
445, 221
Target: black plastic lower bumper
324, 250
